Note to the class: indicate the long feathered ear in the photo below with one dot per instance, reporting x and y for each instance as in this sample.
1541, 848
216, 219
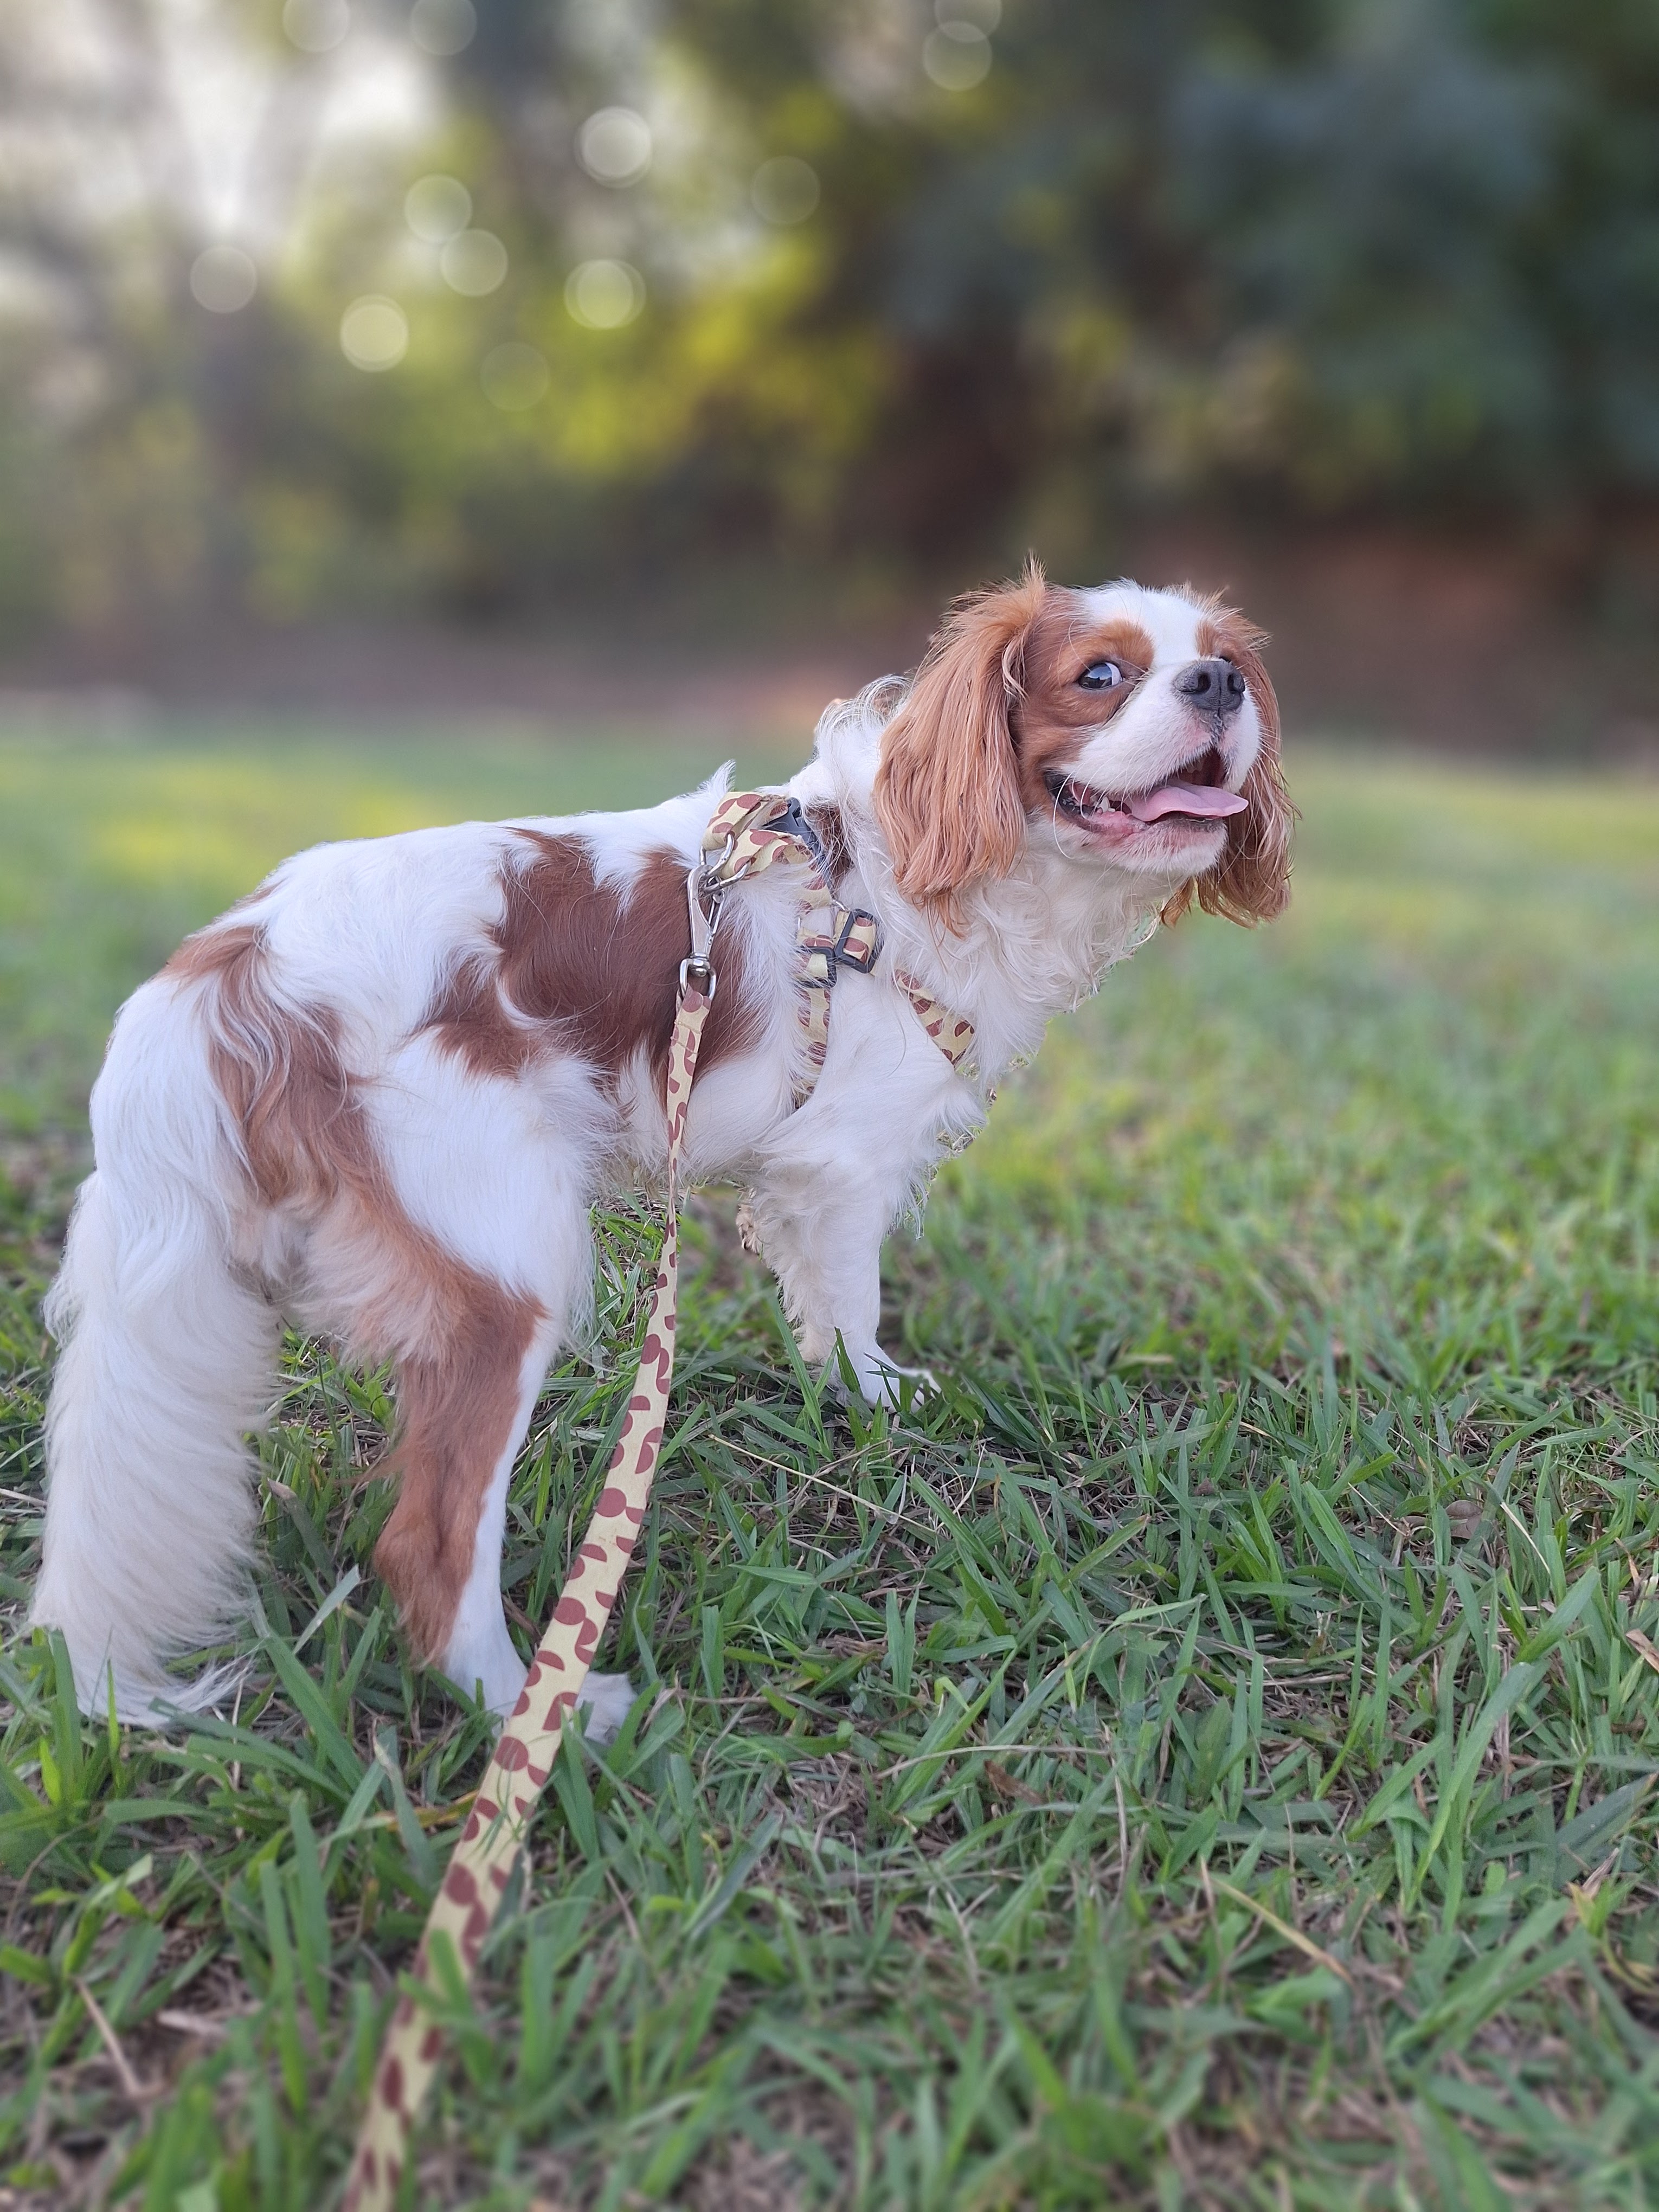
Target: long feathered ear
1251, 882
947, 793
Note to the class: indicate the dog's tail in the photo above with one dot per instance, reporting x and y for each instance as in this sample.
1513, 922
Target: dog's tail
168, 1360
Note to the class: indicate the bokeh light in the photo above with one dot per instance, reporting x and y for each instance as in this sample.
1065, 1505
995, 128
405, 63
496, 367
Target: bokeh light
784, 189
956, 56
474, 262
436, 208
605, 295
443, 27
316, 26
614, 146
514, 376
223, 278
374, 333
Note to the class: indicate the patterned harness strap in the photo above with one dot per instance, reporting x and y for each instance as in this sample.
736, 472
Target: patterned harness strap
750, 831
952, 1034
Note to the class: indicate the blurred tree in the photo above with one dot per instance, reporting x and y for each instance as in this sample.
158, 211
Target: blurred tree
852, 281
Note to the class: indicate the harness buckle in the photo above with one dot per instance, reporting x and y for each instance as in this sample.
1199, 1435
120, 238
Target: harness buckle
793, 823
861, 941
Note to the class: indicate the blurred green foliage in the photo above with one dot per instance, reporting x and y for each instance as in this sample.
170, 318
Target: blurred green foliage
1328, 257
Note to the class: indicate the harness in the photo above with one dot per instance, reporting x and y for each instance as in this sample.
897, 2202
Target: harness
749, 832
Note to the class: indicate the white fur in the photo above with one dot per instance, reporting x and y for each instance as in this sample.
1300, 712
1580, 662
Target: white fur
167, 1362
175, 1281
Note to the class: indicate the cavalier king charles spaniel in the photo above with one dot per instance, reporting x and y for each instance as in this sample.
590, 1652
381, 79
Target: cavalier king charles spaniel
378, 1098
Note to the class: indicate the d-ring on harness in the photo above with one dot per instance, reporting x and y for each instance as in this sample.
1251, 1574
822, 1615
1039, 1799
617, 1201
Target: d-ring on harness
748, 831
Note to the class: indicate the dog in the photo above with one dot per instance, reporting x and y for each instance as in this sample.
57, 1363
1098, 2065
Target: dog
377, 1097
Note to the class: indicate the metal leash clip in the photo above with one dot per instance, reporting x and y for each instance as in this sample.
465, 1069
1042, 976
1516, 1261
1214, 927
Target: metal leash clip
702, 897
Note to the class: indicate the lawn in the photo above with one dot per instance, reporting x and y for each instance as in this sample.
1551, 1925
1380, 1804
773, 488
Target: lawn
1205, 1756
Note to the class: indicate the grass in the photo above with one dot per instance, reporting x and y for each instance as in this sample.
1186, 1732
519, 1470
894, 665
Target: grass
1207, 1756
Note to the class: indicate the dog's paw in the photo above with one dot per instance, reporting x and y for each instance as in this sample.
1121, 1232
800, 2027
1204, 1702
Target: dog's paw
878, 1380
495, 1677
607, 1700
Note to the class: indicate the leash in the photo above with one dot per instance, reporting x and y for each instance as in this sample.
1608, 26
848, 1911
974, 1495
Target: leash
749, 832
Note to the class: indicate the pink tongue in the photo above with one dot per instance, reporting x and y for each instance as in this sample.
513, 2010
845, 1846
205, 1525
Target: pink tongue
1203, 798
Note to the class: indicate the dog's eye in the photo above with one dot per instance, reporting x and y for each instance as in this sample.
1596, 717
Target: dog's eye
1101, 676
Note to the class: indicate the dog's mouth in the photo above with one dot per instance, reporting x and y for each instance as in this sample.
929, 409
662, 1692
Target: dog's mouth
1198, 796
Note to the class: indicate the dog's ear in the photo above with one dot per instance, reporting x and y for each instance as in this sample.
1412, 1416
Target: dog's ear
1251, 882
947, 793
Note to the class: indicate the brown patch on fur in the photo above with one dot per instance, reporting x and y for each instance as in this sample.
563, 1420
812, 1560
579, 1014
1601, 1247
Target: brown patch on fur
831, 830
212, 950
589, 967
456, 1413
948, 794
457, 1337
279, 1071
468, 1020
1251, 882
1054, 712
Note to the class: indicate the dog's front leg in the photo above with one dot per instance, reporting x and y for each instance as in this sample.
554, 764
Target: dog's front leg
821, 1233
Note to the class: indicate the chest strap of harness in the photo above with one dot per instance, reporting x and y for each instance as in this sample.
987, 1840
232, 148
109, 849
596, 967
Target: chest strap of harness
751, 831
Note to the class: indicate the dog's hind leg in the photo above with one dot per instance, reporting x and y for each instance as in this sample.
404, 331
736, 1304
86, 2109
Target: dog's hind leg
463, 1417
473, 1263
463, 1409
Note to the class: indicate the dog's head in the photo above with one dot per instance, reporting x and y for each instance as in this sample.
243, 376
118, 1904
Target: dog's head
1133, 730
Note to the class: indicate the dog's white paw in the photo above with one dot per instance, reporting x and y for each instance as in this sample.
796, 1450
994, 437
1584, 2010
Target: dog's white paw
879, 1380
607, 1700
496, 1673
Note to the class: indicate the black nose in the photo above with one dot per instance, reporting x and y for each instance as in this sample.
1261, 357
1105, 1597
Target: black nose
1215, 687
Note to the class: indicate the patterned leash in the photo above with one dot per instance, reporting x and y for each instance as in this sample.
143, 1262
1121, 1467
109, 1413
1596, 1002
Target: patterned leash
750, 831
502, 1812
